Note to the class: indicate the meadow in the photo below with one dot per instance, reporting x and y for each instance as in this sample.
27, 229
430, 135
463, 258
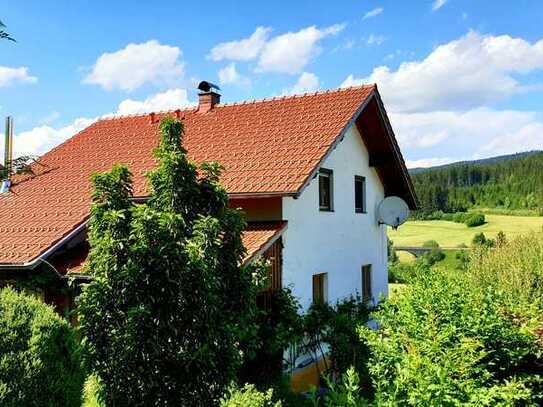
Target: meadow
450, 234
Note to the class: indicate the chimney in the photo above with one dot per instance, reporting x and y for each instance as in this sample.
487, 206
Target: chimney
8, 156
208, 97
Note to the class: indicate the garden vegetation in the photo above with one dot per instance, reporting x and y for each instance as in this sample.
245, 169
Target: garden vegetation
40, 362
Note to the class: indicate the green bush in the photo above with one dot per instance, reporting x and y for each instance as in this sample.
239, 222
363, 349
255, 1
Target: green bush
460, 217
443, 341
475, 219
516, 270
170, 312
401, 273
249, 396
39, 355
434, 256
430, 244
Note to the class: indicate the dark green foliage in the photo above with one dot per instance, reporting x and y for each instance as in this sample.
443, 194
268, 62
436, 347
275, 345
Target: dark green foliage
501, 239
3, 34
337, 327
480, 240
401, 272
391, 252
475, 219
169, 307
278, 325
431, 244
471, 219
510, 184
39, 356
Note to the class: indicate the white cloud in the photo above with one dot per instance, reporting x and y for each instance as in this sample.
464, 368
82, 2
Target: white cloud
428, 162
170, 100
229, 75
10, 76
375, 39
373, 13
471, 134
472, 71
307, 82
437, 4
41, 139
136, 65
291, 52
242, 50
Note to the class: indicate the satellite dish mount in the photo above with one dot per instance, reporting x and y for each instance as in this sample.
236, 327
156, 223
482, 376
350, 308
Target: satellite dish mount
392, 211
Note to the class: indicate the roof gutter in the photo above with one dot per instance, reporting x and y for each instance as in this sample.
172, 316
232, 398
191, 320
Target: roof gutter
41, 258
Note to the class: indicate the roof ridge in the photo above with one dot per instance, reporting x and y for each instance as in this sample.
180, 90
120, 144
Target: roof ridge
299, 95
113, 116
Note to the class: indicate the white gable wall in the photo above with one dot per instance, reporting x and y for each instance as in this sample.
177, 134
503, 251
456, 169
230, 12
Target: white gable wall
338, 242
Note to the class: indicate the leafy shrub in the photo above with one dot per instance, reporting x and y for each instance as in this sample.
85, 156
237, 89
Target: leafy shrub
336, 328
249, 396
434, 256
170, 310
460, 217
344, 393
401, 273
516, 270
445, 342
479, 239
475, 219
277, 326
39, 356
430, 244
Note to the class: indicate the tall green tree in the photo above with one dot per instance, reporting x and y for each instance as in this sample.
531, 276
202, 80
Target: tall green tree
169, 305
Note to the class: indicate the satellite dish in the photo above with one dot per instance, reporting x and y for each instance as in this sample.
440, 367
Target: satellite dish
392, 211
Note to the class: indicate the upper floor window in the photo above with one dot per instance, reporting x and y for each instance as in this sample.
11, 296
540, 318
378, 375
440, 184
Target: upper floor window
320, 288
359, 194
326, 190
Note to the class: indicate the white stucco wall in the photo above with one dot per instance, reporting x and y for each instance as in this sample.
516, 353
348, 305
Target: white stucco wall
338, 242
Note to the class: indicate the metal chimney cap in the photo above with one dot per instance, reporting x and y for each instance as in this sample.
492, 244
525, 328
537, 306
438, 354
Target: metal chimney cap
206, 86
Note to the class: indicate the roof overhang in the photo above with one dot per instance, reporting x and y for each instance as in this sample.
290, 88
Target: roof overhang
385, 156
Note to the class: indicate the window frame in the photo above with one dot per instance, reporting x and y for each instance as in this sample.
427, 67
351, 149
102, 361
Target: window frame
360, 179
367, 294
322, 278
327, 173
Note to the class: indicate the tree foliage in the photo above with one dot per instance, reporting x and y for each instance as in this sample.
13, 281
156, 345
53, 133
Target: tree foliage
511, 184
170, 304
3, 34
39, 355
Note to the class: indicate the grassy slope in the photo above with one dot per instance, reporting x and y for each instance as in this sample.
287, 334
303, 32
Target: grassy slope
450, 234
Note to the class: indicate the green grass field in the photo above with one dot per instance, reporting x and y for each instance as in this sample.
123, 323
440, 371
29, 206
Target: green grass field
450, 234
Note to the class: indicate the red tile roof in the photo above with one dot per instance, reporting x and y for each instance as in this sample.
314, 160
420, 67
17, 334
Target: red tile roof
268, 146
256, 238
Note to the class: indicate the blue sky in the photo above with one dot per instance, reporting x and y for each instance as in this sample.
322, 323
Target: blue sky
460, 79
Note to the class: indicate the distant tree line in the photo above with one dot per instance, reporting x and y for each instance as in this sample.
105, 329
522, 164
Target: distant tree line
511, 184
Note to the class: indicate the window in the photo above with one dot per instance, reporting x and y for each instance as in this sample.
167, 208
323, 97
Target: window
320, 288
325, 190
359, 194
366, 282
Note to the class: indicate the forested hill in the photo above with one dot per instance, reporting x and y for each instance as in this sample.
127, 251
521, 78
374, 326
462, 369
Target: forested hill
509, 182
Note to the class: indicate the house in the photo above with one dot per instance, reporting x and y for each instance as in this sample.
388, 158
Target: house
308, 171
